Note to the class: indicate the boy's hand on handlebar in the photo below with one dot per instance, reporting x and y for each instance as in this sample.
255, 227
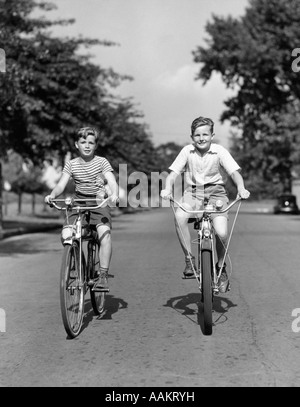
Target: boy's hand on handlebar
166, 194
48, 199
114, 198
243, 193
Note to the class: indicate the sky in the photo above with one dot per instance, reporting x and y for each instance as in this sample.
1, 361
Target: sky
155, 42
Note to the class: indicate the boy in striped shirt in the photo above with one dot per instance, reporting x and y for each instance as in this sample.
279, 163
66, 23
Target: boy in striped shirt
90, 172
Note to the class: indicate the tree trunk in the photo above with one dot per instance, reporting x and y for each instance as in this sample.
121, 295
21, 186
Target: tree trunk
19, 203
1, 202
33, 204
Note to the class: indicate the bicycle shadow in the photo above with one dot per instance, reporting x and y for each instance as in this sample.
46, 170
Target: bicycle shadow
186, 305
190, 305
112, 306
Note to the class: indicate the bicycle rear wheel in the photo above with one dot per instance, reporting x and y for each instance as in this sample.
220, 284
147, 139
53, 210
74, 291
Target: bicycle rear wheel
97, 298
207, 295
72, 290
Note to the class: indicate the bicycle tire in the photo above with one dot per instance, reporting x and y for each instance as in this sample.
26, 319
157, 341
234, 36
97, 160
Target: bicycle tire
97, 298
207, 295
72, 290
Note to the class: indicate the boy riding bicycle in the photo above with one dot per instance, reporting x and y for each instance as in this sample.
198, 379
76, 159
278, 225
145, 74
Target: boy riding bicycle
206, 166
90, 172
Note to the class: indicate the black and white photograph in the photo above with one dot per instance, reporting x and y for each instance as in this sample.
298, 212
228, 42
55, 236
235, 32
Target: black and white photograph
149, 196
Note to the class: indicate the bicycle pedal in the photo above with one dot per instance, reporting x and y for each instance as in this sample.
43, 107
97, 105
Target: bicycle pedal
100, 289
188, 277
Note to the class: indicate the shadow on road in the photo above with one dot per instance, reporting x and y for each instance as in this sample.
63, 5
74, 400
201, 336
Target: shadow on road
13, 248
190, 304
112, 306
182, 304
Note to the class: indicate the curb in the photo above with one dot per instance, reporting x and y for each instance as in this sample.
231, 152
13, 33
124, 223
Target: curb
41, 227
29, 229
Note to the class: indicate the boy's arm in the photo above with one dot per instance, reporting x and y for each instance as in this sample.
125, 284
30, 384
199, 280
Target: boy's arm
59, 188
239, 182
112, 183
167, 192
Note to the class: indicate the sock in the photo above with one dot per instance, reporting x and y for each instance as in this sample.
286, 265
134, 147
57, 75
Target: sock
103, 270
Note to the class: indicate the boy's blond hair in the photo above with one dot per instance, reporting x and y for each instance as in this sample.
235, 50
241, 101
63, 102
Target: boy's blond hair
202, 121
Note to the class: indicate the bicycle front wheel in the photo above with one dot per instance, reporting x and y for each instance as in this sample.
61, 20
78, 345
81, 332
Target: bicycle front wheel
72, 290
97, 298
207, 296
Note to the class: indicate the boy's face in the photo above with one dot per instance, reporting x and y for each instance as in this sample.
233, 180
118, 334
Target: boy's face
202, 138
86, 147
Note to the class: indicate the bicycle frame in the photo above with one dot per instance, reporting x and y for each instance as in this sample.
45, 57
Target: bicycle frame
73, 289
205, 238
70, 205
206, 274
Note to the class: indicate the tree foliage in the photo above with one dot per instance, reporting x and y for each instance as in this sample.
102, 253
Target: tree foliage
50, 90
253, 55
167, 153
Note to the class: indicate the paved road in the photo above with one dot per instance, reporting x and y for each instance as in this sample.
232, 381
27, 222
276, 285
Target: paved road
151, 335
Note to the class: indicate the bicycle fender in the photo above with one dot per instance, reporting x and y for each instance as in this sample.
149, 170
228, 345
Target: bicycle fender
67, 242
206, 244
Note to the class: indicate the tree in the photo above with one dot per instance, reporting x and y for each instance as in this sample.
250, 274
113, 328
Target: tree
167, 153
253, 55
23, 177
45, 90
49, 90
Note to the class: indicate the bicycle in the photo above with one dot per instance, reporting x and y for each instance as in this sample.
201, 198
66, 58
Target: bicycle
77, 275
206, 273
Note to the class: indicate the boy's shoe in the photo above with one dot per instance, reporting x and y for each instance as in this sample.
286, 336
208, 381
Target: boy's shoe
189, 265
101, 284
223, 283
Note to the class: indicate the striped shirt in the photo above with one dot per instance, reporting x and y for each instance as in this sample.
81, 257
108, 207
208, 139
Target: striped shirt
211, 168
88, 176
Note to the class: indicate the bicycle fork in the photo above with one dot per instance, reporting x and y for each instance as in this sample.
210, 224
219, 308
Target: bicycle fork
206, 243
77, 238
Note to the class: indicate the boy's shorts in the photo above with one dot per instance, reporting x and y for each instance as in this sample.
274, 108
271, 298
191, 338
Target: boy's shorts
96, 217
194, 197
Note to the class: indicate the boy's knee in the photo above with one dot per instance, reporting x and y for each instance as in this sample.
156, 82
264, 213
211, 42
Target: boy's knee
182, 218
222, 235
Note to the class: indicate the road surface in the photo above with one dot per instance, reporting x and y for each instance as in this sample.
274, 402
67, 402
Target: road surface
151, 334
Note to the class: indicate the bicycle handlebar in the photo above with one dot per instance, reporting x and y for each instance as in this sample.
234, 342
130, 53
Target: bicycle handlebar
192, 212
70, 203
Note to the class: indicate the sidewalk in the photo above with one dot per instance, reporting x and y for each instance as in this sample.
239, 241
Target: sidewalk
29, 224
20, 224
264, 206
14, 225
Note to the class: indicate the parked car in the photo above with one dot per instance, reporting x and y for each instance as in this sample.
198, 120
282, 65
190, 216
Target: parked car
286, 203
